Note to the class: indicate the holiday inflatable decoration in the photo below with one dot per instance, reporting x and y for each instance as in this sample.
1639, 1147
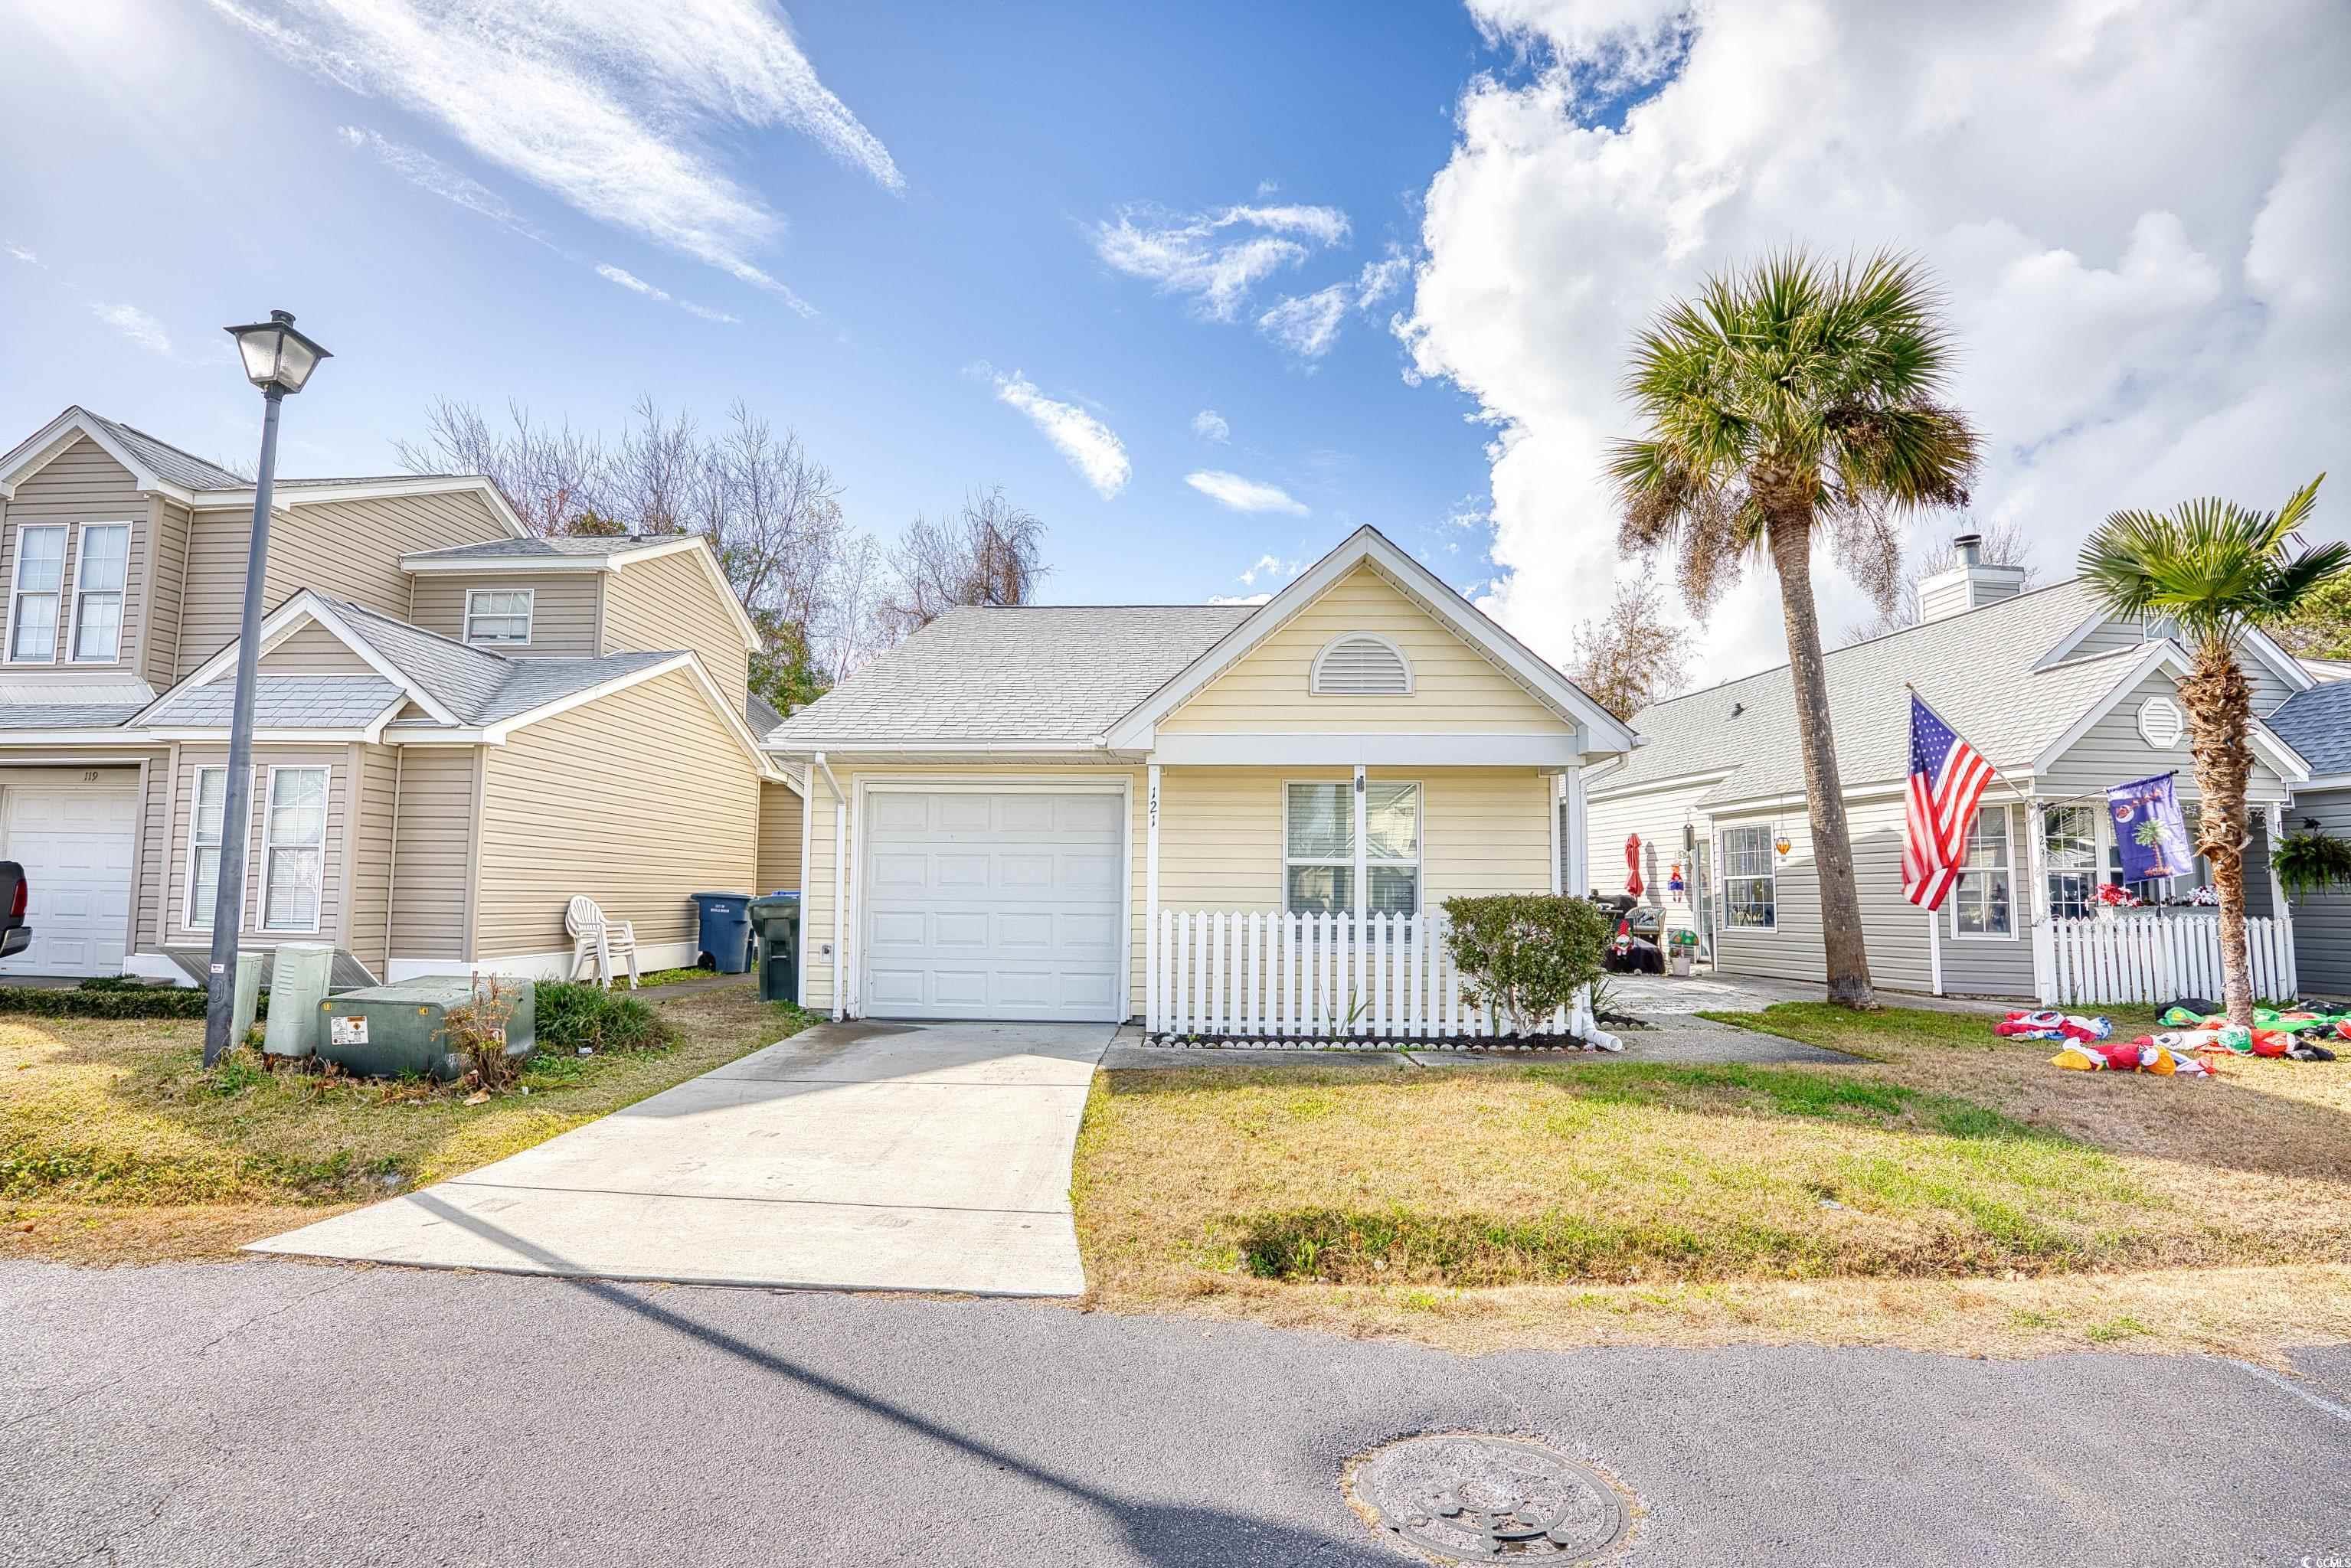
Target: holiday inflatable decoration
2141, 1055
2050, 1024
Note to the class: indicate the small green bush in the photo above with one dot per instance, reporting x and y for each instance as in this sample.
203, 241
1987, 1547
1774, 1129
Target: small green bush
1525, 955
104, 1002
571, 1016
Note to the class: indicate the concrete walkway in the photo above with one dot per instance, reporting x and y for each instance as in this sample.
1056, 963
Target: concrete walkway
853, 1157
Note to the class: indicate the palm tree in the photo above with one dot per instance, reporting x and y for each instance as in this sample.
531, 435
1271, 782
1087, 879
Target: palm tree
2215, 570
1797, 400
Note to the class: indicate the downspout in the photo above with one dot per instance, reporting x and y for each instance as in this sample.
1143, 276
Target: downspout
1151, 997
840, 878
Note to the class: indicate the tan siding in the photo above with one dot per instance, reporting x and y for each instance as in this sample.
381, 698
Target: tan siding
167, 524
147, 892
314, 651
370, 863
780, 811
347, 549
332, 903
1220, 840
635, 801
433, 852
82, 485
1455, 689
562, 611
671, 602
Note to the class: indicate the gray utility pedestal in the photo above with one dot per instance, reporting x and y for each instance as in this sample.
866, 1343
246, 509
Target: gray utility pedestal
394, 1032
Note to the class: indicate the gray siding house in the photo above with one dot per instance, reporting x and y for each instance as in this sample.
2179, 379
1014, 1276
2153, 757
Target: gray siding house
459, 727
2060, 699
2317, 724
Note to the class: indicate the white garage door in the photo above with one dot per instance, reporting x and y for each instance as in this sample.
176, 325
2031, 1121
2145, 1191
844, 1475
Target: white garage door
995, 905
74, 845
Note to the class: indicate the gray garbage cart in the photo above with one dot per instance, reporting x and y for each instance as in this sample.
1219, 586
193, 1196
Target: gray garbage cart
777, 920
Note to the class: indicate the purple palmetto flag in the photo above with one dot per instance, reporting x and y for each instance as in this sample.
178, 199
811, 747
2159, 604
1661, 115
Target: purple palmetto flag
2148, 829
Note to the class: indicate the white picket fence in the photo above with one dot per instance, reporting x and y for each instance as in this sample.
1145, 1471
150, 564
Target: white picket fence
1266, 974
2154, 958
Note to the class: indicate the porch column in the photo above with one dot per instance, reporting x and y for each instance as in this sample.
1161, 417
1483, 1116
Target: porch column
1151, 999
1558, 843
1577, 872
2034, 907
2273, 816
1363, 848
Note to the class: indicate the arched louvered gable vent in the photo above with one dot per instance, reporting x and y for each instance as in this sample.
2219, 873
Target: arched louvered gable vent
1361, 664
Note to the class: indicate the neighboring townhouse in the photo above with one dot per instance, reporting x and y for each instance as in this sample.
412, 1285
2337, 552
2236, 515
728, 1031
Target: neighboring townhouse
2062, 699
459, 727
1001, 808
2317, 724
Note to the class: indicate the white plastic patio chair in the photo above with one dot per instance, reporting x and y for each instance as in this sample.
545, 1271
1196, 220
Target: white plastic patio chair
599, 940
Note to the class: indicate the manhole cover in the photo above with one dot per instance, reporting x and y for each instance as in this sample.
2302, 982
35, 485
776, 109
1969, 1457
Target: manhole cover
1465, 1497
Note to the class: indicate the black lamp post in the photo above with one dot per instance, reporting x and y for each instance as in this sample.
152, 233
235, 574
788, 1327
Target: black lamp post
279, 359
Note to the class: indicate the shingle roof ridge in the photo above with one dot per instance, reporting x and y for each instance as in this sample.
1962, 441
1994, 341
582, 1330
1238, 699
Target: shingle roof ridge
411, 626
177, 451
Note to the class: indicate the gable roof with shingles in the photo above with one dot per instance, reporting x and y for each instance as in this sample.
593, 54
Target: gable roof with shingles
589, 548
2317, 723
1975, 669
477, 685
165, 461
1031, 674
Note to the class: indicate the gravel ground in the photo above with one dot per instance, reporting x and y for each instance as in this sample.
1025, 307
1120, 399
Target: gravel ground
283, 1413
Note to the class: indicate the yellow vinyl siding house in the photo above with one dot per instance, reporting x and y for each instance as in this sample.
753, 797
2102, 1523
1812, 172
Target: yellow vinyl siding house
999, 811
453, 734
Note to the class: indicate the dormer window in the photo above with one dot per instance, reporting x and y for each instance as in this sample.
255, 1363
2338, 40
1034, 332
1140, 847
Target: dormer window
499, 616
1359, 664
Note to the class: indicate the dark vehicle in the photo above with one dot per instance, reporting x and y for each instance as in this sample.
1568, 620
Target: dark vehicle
1638, 949
15, 893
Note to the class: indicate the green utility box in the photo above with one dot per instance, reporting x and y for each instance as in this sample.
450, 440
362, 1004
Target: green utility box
391, 1031
776, 923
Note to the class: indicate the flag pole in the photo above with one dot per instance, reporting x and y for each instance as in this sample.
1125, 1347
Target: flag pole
1935, 916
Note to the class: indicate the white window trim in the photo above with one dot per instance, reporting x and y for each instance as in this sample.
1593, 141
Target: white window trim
261, 884
1724, 927
122, 596
1361, 861
16, 576
2095, 871
2008, 864
188, 921
529, 614
1314, 673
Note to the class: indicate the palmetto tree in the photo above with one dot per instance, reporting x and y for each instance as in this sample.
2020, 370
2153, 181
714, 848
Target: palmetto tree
2215, 570
1800, 399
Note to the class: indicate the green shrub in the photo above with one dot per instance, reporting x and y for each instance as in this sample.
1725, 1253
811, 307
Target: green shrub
2312, 862
104, 1002
1525, 955
571, 1016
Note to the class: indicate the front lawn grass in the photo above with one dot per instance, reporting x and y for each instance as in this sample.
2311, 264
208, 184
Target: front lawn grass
1951, 1172
117, 1145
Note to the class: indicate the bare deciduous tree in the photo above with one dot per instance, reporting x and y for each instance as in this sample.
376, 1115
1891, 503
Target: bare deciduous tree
551, 477
1633, 656
989, 553
2004, 544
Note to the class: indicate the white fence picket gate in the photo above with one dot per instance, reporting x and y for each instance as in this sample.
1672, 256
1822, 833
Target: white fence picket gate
1266, 974
2154, 958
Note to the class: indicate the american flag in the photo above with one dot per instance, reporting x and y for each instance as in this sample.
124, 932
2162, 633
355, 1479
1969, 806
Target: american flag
1946, 780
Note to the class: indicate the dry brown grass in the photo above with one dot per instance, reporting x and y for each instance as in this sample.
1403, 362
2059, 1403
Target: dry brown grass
1975, 1196
117, 1146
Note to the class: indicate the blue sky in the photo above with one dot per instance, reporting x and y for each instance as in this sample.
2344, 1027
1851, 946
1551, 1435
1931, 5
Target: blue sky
1013, 224
210, 177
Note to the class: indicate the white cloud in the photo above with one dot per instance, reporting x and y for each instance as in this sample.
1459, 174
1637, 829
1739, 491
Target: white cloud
1308, 324
617, 109
706, 313
23, 252
1238, 598
1216, 259
1243, 495
136, 325
629, 281
2148, 305
427, 173
1092, 448
1210, 425
1272, 566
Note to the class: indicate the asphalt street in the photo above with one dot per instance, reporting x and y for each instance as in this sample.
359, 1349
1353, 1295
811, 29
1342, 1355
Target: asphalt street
274, 1412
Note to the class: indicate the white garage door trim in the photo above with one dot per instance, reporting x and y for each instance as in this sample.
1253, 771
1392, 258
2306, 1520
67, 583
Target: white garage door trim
67, 911
859, 969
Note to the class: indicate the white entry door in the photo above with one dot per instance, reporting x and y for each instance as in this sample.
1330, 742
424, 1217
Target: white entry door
75, 846
995, 904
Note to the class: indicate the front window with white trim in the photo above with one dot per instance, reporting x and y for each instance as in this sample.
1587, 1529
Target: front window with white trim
1981, 901
33, 592
1320, 858
205, 846
497, 615
294, 849
1750, 880
100, 571
2069, 854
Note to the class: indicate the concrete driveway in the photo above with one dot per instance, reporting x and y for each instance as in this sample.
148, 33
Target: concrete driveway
852, 1156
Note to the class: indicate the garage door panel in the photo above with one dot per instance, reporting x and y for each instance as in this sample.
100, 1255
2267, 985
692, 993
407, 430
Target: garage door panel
1016, 910
74, 845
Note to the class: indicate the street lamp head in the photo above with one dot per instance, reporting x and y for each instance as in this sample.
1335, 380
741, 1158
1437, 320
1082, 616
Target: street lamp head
278, 359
